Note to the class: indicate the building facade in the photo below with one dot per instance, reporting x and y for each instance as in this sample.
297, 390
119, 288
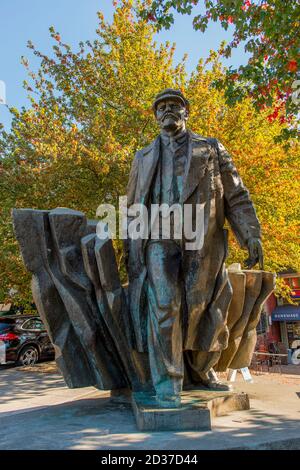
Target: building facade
280, 320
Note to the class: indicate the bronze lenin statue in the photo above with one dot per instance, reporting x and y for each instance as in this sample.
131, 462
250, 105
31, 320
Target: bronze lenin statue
179, 297
184, 316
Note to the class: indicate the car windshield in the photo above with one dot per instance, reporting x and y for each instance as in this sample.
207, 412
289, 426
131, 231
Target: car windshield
33, 324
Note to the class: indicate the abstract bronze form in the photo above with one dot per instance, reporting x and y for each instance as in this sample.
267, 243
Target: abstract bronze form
184, 316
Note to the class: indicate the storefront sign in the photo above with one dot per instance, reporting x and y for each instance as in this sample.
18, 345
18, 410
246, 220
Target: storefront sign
286, 313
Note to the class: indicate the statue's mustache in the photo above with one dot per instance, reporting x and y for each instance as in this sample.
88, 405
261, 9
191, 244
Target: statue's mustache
169, 115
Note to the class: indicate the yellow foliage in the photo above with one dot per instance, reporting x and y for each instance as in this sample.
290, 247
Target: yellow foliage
74, 147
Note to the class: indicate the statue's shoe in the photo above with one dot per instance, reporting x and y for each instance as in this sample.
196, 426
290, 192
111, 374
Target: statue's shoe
218, 386
168, 401
211, 381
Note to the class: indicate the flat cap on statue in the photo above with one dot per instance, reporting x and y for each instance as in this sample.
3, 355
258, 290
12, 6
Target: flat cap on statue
170, 93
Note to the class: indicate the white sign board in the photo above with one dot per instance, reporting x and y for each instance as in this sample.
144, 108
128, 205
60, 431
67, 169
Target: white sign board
232, 373
246, 374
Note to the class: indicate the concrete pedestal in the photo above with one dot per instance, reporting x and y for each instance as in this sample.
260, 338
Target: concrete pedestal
197, 409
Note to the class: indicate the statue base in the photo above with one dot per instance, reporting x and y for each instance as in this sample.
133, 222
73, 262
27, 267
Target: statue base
197, 409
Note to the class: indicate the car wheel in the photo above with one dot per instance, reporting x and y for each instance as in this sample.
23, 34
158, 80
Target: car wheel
296, 357
28, 356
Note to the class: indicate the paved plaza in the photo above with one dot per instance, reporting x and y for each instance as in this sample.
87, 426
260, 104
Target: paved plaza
37, 411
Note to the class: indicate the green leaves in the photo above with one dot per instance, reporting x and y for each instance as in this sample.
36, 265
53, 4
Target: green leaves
270, 29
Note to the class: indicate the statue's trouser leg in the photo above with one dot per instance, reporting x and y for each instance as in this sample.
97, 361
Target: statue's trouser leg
200, 363
164, 322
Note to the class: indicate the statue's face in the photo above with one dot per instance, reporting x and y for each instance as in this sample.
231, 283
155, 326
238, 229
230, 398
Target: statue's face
171, 115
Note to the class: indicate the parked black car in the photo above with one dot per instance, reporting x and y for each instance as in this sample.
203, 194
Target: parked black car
24, 340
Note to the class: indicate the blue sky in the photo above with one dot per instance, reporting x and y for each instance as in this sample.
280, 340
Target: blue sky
76, 20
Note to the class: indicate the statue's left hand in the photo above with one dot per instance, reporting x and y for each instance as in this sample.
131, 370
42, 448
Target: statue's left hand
255, 253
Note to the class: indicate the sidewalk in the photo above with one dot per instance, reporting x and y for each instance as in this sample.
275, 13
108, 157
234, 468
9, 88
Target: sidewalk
37, 411
24, 389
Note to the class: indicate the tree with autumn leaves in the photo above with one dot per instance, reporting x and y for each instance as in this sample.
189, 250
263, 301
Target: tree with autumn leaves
268, 30
89, 112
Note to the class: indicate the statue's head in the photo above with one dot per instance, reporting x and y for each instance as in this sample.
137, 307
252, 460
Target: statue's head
171, 110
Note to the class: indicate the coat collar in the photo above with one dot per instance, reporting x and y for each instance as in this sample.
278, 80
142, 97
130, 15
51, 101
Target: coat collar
150, 156
196, 163
197, 158
179, 138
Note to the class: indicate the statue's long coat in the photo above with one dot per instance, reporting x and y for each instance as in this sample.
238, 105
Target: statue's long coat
211, 178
